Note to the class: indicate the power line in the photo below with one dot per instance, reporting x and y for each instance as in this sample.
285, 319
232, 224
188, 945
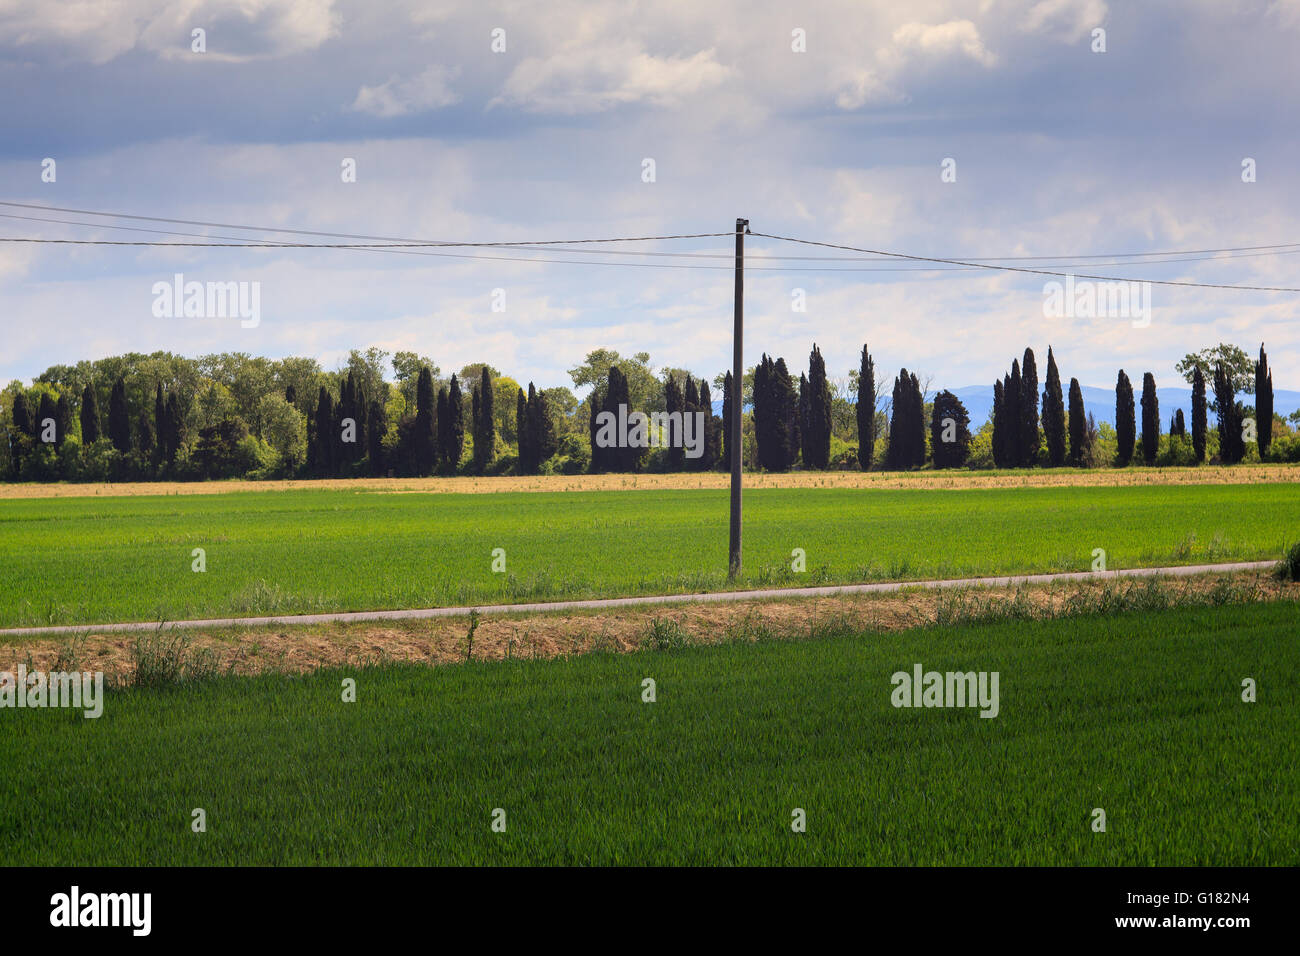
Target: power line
1046, 272
875, 256
241, 242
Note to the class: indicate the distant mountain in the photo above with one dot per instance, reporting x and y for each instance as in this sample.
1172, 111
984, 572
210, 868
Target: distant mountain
978, 400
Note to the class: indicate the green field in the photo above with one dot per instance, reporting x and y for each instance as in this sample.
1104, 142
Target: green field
85, 560
1139, 714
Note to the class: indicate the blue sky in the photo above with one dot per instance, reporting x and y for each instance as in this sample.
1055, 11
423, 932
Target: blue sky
1059, 151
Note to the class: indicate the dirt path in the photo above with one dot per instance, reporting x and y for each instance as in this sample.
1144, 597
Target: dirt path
610, 603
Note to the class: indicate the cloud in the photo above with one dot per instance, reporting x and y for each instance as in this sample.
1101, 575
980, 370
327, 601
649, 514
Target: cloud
1070, 19
398, 97
236, 32
599, 76
943, 40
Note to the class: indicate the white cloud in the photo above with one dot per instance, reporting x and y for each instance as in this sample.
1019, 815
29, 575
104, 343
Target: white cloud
601, 75
398, 97
944, 39
1070, 19
236, 32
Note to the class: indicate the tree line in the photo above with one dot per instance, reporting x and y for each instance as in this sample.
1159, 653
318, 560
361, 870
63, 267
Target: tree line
162, 416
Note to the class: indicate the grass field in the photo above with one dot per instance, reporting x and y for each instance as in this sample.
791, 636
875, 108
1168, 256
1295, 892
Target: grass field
1138, 714
87, 560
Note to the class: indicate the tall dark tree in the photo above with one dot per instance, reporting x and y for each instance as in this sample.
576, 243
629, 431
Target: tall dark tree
1178, 424
376, 428
622, 456
63, 415
1263, 403
805, 421
119, 421
1078, 426
23, 416
160, 418
866, 409
1000, 459
48, 412
1012, 395
1199, 420
600, 459
89, 416
786, 395
145, 435
709, 459
949, 431
1054, 414
673, 404
455, 428
906, 424
1030, 440
542, 440
485, 429
726, 421
1125, 421
1150, 419
173, 432
428, 422
817, 441
521, 430
1232, 445
325, 443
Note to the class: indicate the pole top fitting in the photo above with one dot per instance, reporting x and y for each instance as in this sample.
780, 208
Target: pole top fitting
742, 224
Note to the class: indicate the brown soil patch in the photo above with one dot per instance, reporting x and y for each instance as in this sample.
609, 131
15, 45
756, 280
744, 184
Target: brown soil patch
301, 648
1206, 475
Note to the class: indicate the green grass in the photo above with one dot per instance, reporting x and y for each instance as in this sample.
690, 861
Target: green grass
1139, 714
85, 560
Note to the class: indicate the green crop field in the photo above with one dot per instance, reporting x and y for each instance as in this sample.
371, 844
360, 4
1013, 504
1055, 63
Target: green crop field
85, 560
1139, 714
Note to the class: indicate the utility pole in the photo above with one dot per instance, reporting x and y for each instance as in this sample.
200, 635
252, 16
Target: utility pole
737, 393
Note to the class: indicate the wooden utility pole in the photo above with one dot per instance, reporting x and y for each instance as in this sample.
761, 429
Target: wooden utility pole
737, 394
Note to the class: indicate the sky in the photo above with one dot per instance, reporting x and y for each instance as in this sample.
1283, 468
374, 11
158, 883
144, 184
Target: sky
829, 120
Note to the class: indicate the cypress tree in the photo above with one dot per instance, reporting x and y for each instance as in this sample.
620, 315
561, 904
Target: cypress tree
999, 426
521, 429
119, 423
47, 410
1178, 426
428, 423
1125, 423
1030, 440
1012, 397
726, 421
673, 403
1231, 444
174, 433
949, 431
1150, 419
866, 409
1078, 426
906, 424
805, 421
376, 427
456, 428
89, 416
1054, 414
1198, 414
145, 435
817, 445
485, 429
63, 418
762, 414
786, 400
23, 416
1263, 403
159, 418
541, 430
709, 459
324, 432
